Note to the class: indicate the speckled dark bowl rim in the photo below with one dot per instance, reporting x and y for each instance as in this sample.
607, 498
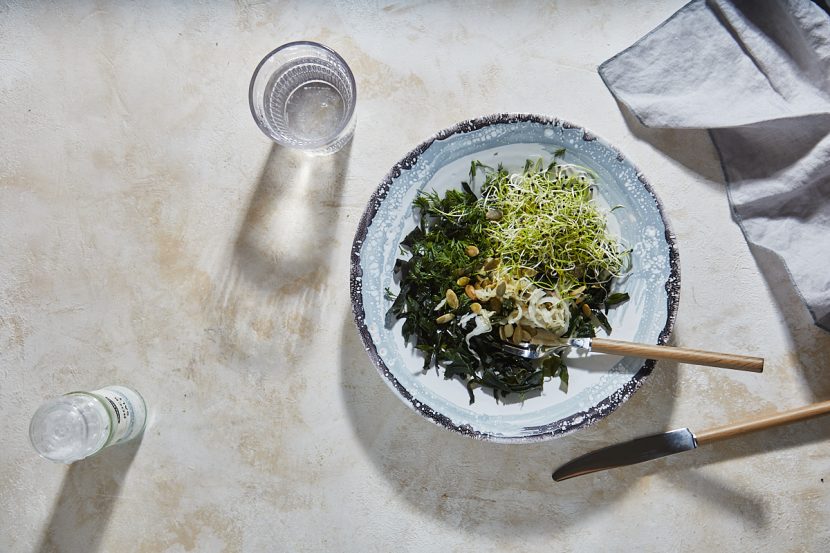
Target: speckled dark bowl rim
557, 428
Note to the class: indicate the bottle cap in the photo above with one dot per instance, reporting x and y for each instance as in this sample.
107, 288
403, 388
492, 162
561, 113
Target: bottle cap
65, 429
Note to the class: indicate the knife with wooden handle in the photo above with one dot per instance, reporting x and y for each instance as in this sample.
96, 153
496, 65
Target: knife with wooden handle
677, 441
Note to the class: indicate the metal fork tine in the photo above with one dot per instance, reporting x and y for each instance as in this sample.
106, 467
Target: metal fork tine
530, 351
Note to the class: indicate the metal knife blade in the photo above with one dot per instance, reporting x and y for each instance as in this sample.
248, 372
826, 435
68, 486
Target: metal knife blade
628, 453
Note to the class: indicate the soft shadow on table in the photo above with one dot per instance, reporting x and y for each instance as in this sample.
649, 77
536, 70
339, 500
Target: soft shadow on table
810, 343
292, 200
685, 472
494, 488
281, 255
692, 148
85, 502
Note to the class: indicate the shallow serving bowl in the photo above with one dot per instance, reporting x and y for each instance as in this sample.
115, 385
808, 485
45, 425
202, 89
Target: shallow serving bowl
598, 383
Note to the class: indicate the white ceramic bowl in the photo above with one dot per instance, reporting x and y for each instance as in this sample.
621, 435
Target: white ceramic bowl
598, 383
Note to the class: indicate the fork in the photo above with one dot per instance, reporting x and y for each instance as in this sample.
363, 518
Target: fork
645, 351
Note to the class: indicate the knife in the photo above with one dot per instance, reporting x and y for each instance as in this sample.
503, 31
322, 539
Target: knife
677, 441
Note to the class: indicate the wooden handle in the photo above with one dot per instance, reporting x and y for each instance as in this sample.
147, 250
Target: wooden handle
684, 355
732, 430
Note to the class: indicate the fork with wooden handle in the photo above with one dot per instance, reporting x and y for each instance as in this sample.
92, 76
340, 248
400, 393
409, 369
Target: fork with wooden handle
645, 351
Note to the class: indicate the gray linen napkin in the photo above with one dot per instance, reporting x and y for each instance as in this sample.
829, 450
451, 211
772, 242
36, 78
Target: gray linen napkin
757, 75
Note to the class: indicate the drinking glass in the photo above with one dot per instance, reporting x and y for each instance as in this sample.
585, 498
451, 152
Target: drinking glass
302, 95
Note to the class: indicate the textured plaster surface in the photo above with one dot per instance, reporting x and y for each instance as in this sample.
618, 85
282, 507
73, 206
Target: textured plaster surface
151, 236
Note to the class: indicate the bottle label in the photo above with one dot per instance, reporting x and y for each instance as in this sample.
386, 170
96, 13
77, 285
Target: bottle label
126, 409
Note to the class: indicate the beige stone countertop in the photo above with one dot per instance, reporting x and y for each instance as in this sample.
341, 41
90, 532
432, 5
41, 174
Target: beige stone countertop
152, 236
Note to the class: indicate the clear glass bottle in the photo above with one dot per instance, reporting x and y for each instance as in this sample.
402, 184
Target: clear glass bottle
74, 426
